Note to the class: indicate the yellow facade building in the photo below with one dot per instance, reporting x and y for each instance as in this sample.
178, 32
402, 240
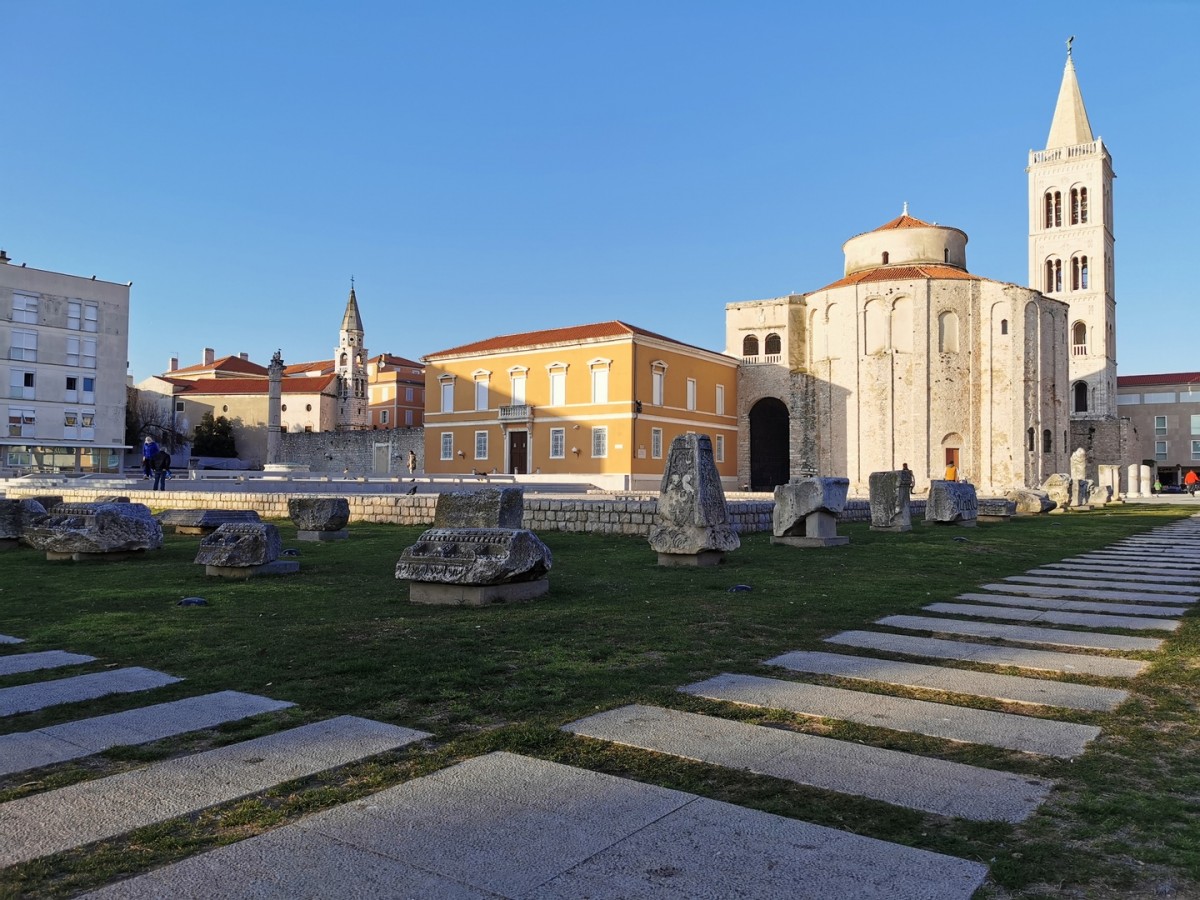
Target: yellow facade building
597, 402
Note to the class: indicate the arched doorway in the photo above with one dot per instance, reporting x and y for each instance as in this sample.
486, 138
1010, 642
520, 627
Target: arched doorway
768, 444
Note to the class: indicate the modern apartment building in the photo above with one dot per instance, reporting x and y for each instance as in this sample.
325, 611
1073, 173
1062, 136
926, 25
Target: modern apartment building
1165, 413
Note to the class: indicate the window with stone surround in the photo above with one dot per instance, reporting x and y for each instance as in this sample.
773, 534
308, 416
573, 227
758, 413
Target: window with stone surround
1160, 450
750, 345
600, 441
447, 445
558, 443
719, 448
481, 445
656, 443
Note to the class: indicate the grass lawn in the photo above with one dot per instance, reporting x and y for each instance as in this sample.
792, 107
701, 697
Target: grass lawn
341, 638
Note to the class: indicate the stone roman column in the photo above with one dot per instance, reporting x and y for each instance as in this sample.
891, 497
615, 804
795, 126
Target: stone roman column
274, 395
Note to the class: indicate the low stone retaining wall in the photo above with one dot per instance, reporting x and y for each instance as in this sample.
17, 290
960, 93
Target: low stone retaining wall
605, 515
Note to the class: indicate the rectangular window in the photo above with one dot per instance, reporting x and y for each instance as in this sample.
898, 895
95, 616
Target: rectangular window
383, 416
599, 385
22, 422
558, 388
178, 403
481, 394
600, 441
1160, 450
74, 315
24, 345
91, 318
447, 445
72, 351
1195, 424
408, 417
87, 422
1160, 425
719, 450
89, 353
1195, 450
558, 443
408, 395
1160, 397
71, 420
481, 445
1129, 399
656, 443
24, 309
447, 399
656, 388
518, 390
71, 390
21, 385
89, 391
720, 399
691, 393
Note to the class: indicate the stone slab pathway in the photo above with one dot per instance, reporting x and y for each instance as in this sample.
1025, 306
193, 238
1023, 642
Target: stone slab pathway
1054, 616
503, 825
916, 782
953, 723
47, 659
1012, 688
30, 697
1125, 592
7, 639
73, 740
1147, 579
1054, 637
73, 816
992, 654
1012, 597
1141, 559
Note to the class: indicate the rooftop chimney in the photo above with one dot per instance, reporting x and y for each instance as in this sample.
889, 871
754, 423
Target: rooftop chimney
173, 364
209, 356
4, 258
244, 355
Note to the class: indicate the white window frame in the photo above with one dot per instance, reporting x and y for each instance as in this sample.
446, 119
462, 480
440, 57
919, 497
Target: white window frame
558, 443
447, 445
408, 395
599, 442
1195, 451
383, 416
691, 394
87, 425
87, 395
73, 347
599, 384
658, 382
22, 421
91, 317
656, 443
18, 389
558, 384
88, 359
1160, 430
719, 448
720, 400
75, 315
1160, 450
71, 394
408, 417
25, 309
23, 345
481, 445
481, 393
447, 394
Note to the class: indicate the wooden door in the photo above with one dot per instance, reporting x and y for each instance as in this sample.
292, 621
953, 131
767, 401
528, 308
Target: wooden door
518, 452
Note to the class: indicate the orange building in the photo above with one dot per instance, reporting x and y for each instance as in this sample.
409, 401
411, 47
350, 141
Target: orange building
396, 391
600, 402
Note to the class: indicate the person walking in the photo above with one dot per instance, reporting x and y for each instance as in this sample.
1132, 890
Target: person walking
161, 464
1190, 480
149, 448
412, 463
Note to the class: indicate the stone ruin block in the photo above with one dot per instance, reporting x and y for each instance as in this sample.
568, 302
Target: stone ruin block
952, 502
205, 521
890, 496
1030, 502
996, 509
806, 512
692, 526
320, 518
477, 564
244, 550
15, 515
1110, 483
484, 508
1069, 493
94, 531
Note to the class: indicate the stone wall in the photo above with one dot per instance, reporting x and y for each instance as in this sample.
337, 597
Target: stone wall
336, 451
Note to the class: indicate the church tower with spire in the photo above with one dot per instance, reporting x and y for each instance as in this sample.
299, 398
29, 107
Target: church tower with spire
1071, 247
350, 366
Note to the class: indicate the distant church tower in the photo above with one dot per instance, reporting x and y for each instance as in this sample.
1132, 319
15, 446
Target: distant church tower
1071, 247
350, 366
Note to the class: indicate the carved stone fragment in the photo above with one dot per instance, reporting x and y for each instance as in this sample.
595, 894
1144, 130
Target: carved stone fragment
485, 508
87, 530
246, 544
890, 496
692, 524
1030, 502
806, 512
952, 502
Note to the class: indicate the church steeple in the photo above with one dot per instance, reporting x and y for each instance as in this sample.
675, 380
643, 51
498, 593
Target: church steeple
350, 366
352, 321
1070, 125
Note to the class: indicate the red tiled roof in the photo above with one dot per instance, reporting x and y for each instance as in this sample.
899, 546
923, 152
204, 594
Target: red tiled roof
389, 359
224, 364
1147, 380
903, 221
251, 385
304, 368
904, 273
570, 335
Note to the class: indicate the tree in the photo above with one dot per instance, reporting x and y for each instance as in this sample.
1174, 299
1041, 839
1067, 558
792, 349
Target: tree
213, 437
147, 414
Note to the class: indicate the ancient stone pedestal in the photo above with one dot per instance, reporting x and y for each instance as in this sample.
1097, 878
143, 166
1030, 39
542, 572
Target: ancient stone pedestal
1030, 502
477, 563
93, 531
1146, 476
245, 550
692, 525
952, 503
204, 521
1058, 489
1110, 481
806, 512
890, 495
320, 518
996, 509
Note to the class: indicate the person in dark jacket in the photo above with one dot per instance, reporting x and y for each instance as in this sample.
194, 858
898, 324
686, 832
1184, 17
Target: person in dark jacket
149, 448
161, 464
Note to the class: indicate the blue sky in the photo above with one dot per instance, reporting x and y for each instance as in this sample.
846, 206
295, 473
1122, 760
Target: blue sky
483, 168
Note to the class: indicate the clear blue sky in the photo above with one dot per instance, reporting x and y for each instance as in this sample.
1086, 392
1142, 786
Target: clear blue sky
483, 168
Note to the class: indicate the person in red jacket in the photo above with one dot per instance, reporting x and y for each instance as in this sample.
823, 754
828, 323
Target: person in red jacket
1190, 480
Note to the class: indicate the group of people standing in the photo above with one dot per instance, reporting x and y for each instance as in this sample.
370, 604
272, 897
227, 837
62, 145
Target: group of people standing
156, 462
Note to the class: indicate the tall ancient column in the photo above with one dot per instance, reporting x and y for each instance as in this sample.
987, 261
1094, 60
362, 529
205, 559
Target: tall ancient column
274, 395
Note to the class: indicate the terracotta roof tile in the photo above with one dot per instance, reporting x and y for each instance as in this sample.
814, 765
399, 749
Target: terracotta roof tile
224, 364
251, 385
904, 273
903, 221
551, 336
1147, 380
305, 367
391, 360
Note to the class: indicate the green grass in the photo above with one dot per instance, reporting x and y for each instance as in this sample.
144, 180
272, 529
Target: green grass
341, 638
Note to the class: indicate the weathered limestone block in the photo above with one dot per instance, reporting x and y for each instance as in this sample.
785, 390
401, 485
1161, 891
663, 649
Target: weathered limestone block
15, 515
1079, 462
205, 521
320, 518
1030, 502
1058, 489
92, 530
1081, 493
890, 494
49, 501
996, 509
806, 512
240, 545
485, 508
692, 526
475, 556
1110, 483
952, 502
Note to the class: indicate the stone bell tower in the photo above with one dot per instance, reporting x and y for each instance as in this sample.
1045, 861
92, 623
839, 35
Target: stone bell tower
350, 366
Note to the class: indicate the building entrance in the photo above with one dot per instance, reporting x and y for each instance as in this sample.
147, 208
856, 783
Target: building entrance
769, 441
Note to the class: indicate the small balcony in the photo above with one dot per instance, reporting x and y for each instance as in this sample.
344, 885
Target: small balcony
522, 413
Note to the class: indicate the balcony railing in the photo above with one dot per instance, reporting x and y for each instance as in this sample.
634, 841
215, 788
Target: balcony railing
522, 413
1079, 349
769, 359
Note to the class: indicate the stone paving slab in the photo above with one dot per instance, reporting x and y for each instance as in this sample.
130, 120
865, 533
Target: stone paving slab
47, 659
1012, 688
7, 639
1055, 637
993, 654
30, 697
904, 779
953, 723
444, 836
1151, 578
1128, 591
73, 740
1141, 559
1015, 597
79, 814
1054, 616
